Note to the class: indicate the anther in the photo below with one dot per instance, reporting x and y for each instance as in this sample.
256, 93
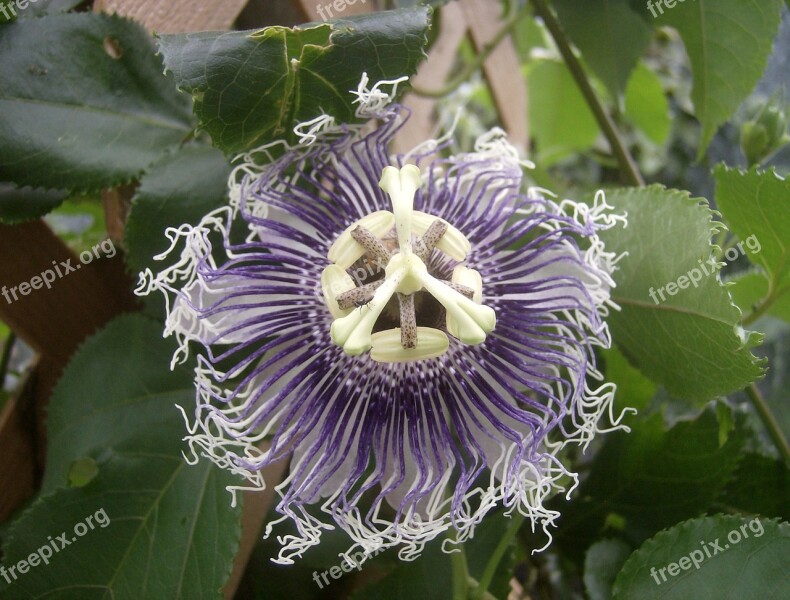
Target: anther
429, 239
365, 238
358, 296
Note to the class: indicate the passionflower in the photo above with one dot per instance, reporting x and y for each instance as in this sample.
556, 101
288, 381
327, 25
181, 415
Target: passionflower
416, 332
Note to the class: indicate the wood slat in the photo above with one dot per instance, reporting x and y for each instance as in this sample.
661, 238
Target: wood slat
502, 70
176, 16
435, 69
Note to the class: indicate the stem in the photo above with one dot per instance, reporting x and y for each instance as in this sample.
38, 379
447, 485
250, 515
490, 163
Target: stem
627, 163
491, 567
459, 569
769, 421
473, 66
5, 358
765, 305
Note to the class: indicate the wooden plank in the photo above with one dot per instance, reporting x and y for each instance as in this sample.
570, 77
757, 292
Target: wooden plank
324, 10
18, 470
502, 70
176, 16
435, 69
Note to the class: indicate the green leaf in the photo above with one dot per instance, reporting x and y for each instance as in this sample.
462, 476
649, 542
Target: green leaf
646, 104
748, 559
84, 102
18, 205
688, 341
290, 75
171, 530
649, 479
756, 206
593, 25
602, 563
429, 576
633, 388
728, 42
560, 118
760, 486
750, 289
181, 188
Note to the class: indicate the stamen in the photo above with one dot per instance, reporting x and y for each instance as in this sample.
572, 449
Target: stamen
474, 321
408, 321
359, 296
453, 243
429, 239
461, 289
404, 273
365, 238
345, 251
387, 348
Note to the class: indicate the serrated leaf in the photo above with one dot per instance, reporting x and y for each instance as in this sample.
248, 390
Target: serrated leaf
646, 105
179, 189
649, 479
84, 102
18, 205
728, 43
748, 559
172, 532
688, 341
756, 206
590, 22
633, 388
560, 119
290, 75
602, 563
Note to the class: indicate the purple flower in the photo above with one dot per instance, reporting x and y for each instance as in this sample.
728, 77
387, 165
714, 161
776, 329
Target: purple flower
415, 332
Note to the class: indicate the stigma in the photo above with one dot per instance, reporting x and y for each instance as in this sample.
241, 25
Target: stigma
403, 282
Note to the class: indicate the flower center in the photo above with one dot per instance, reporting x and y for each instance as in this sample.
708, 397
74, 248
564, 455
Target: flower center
393, 251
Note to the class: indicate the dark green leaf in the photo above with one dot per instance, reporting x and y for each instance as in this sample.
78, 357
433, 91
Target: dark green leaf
748, 558
602, 563
649, 479
84, 102
761, 486
25, 204
728, 42
181, 188
290, 75
171, 531
688, 341
633, 388
610, 35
